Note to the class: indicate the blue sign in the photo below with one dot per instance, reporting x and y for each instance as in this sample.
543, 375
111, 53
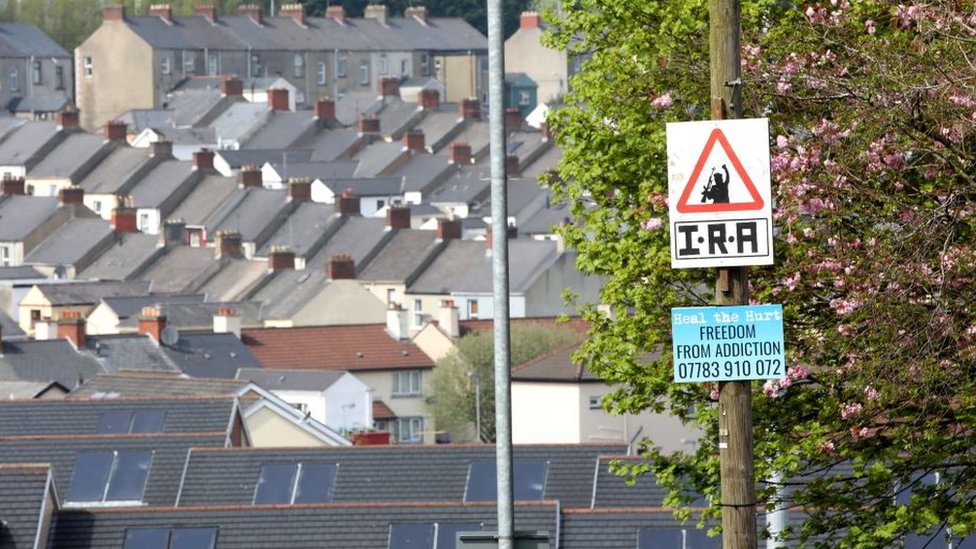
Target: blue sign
728, 343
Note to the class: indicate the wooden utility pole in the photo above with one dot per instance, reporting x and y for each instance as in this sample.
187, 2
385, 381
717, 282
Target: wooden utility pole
738, 493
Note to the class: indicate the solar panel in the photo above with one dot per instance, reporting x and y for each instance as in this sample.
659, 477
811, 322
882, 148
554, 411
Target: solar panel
113, 423
528, 482
903, 495
411, 536
148, 422
446, 534
193, 538
146, 538
660, 538
125, 422
275, 484
315, 481
90, 476
698, 539
128, 479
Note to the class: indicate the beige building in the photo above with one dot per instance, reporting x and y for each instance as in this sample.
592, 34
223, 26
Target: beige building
549, 68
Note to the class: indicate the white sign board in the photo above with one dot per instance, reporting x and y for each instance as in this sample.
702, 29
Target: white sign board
719, 194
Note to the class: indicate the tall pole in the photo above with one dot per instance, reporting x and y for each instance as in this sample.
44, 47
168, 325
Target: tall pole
499, 250
738, 493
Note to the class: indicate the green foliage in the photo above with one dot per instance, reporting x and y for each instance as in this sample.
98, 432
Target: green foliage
871, 107
471, 364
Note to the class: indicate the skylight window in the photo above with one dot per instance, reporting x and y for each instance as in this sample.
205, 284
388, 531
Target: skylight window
125, 422
170, 538
286, 483
109, 476
529, 481
428, 535
676, 538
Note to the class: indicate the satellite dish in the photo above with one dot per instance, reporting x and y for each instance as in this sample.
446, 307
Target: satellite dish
170, 336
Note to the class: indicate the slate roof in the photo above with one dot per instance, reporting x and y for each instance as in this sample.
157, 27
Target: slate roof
86, 293
18, 390
611, 490
619, 529
402, 256
358, 237
367, 186
159, 184
24, 487
424, 171
449, 268
19, 272
392, 473
169, 456
10, 328
234, 279
328, 526
65, 160
137, 120
126, 256
332, 145
240, 120
284, 293
131, 306
21, 215
353, 348
467, 186
25, 40
175, 271
377, 157
210, 354
114, 171
154, 384
283, 129
71, 243
81, 417
19, 147
303, 228
257, 157
50, 360
199, 316
555, 366
290, 380
324, 170
250, 211
207, 195
528, 260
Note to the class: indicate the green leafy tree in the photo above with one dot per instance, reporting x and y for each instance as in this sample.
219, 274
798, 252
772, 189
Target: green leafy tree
872, 107
470, 365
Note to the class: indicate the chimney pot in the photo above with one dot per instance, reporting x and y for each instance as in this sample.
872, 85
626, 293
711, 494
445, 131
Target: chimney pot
448, 229
300, 189
281, 258
414, 141
368, 124
398, 217
530, 20
72, 195
165, 11
254, 11
513, 118
349, 203
228, 244
377, 12
336, 12
232, 87
325, 109
113, 12
227, 321
203, 160
115, 130
418, 12
389, 86
429, 99
12, 185
207, 10
470, 109
278, 99
250, 176
152, 322
71, 326
341, 267
460, 153
295, 11
124, 220
68, 118
511, 164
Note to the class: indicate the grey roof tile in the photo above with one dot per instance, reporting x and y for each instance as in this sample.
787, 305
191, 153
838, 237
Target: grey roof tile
283, 129
468, 186
176, 270
529, 260
127, 254
234, 279
424, 171
257, 157
286, 292
379, 156
67, 159
24, 488
90, 293
131, 306
51, 360
249, 212
199, 315
449, 268
72, 243
207, 196
19, 147
612, 490
619, 528
304, 227
358, 237
137, 120
128, 352
238, 122
152, 190
334, 144
367, 186
289, 380
20, 215
154, 384
19, 272
28, 40
115, 170
401, 257
314, 170
19, 390
210, 355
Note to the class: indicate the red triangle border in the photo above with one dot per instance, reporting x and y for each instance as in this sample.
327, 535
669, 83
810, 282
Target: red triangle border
757, 201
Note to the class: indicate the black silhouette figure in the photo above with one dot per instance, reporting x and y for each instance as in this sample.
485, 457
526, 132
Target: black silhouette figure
717, 188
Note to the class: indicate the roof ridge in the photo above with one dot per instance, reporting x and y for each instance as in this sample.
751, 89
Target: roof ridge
127, 436
333, 505
123, 398
408, 447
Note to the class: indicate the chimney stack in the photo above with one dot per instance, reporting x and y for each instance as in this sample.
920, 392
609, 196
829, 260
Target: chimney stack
448, 319
414, 141
232, 87
165, 11
68, 118
368, 124
72, 195
544, 129
397, 322
203, 160
325, 109
460, 153
530, 20
430, 100
336, 12
349, 203
254, 11
278, 99
71, 326
513, 118
207, 10
389, 86
417, 12
281, 258
152, 322
113, 12
300, 189
398, 216
295, 11
12, 185
377, 12
115, 130
448, 229
250, 176
227, 321
470, 109
228, 244
341, 267
174, 232
511, 164
124, 220
161, 149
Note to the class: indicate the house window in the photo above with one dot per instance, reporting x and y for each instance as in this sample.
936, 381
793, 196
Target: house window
341, 67
364, 72
473, 309
143, 221
391, 296
165, 65
320, 73
212, 66
594, 403
255, 65
418, 313
59, 77
437, 67
110, 476
407, 430
14, 79
298, 60
524, 98
36, 72
97, 206
424, 64
403, 67
384, 64
170, 538
87, 65
35, 316
5, 255
189, 64
406, 383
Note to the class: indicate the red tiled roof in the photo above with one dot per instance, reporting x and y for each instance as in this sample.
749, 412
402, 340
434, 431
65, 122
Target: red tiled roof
382, 411
353, 348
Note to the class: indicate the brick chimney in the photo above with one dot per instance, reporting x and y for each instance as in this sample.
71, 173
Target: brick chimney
227, 321
417, 12
448, 229
207, 10
254, 11
336, 12
124, 220
348, 203
430, 100
389, 86
71, 326
300, 189
152, 322
511, 164
398, 216
448, 319
72, 195
228, 244
161, 149
295, 11
203, 160
173, 233
250, 176
378, 12
281, 258
341, 267
414, 141
113, 12
11, 185
530, 20
470, 109
368, 124
513, 118
232, 87
325, 109
68, 118
512, 234
460, 153
165, 11
278, 99
114, 130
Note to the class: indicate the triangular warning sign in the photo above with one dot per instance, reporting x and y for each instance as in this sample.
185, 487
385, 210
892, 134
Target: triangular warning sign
718, 206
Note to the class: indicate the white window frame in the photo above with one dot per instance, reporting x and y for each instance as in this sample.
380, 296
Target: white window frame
409, 430
407, 383
37, 74
342, 65
87, 66
364, 72
384, 65
298, 65
14, 79
524, 98
189, 63
320, 73
418, 313
165, 64
213, 65
472, 309
425, 64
